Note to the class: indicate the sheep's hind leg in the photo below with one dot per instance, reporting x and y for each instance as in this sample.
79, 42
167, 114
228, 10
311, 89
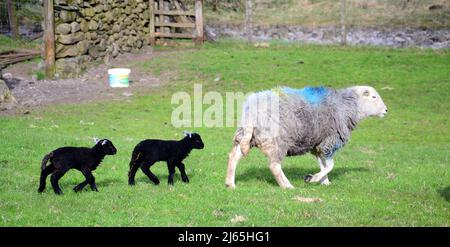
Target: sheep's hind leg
44, 174
233, 159
270, 150
326, 165
146, 170
132, 173
54, 179
184, 176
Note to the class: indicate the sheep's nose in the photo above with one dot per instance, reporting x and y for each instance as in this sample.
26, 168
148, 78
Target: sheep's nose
386, 110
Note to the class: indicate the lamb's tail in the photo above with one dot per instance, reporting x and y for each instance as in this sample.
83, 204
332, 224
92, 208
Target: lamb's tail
45, 160
135, 156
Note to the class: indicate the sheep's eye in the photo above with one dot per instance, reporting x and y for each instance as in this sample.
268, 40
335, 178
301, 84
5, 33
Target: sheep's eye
374, 97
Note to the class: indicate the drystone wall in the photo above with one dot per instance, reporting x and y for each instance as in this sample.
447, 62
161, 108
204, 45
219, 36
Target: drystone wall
94, 30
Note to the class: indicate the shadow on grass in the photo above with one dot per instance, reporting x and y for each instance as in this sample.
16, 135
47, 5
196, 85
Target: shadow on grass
292, 173
445, 192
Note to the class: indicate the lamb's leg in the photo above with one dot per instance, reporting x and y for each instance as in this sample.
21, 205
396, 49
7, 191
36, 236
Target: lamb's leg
233, 159
322, 176
146, 170
89, 179
184, 177
132, 173
171, 168
54, 180
44, 174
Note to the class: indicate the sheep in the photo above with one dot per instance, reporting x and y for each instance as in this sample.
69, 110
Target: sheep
149, 151
81, 158
318, 120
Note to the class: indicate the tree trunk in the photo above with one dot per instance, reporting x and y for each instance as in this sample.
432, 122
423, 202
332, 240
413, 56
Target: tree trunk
343, 23
248, 20
12, 19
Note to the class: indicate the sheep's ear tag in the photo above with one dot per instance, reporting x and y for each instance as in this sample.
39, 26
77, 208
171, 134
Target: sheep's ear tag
96, 140
187, 134
366, 93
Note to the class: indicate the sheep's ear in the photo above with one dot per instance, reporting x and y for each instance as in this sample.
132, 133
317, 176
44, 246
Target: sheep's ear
96, 140
186, 133
366, 93
104, 142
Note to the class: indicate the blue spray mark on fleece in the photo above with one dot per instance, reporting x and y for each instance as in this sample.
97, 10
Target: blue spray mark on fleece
312, 95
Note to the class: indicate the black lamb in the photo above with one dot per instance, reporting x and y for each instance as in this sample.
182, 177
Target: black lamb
81, 158
147, 152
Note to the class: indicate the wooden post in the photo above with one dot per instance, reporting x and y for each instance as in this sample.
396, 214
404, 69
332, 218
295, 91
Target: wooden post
152, 22
199, 20
343, 24
49, 38
12, 19
248, 20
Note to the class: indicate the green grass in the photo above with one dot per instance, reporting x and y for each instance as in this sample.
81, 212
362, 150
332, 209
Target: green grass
325, 13
393, 172
6, 43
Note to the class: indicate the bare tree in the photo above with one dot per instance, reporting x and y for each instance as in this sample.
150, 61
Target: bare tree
248, 20
12, 19
343, 22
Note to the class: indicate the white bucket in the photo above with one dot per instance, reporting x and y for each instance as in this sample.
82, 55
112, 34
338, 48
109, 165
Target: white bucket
119, 77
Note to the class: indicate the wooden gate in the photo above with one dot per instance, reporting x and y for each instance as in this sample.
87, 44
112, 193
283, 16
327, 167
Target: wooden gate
164, 23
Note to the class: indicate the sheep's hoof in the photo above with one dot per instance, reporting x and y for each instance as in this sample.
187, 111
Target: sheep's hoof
59, 192
231, 186
76, 189
308, 178
40, 190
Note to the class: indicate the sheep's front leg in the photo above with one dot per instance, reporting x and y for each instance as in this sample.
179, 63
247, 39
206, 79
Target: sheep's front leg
184, 176
233, 159
89, 179
171, 167
326, 165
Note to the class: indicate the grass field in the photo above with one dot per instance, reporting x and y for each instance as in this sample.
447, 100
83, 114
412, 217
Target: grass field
324, 13
393, 172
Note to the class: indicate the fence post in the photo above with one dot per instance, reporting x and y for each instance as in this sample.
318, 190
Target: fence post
12, 17
343, 24
199, 20
152, 22
49, 38
248, 20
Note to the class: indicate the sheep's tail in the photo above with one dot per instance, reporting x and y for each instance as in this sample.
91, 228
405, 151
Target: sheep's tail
45, 160
246, 139
135, 156
247, 126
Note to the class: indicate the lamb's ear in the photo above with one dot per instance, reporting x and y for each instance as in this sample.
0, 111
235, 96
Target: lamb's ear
104, 142
186, 133
96, 140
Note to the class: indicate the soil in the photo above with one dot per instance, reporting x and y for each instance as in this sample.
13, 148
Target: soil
91, 86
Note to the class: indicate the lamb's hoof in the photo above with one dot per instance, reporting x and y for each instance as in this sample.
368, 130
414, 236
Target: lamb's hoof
157, 182
40, 190
308, 178
59, 192
76, 189
131, 183
230, 186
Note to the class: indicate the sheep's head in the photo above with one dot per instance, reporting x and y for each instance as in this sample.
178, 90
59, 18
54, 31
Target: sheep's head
194, 140
370, 103
106, 146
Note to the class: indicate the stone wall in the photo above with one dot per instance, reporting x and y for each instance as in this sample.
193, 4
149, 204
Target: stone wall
92, 30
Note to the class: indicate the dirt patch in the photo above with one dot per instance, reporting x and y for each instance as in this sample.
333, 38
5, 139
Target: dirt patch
91, 86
